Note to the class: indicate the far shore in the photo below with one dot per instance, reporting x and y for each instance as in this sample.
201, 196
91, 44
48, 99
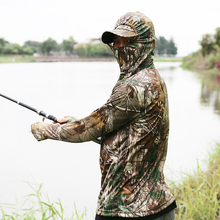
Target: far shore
26, 59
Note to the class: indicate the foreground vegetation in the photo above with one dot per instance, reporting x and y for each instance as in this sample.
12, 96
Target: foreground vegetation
198, 197
40, 207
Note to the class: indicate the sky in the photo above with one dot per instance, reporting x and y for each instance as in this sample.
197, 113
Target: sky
184, 21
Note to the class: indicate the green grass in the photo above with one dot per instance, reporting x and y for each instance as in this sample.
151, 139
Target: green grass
198, 197
26, 59
16, 59
39, 208
168, 59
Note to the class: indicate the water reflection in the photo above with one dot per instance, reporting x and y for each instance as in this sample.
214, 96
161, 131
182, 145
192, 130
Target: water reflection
210, 91
167, 70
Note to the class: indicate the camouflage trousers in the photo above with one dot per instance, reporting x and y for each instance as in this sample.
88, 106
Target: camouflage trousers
169, 216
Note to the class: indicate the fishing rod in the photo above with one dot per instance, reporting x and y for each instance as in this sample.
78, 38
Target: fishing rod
40, 112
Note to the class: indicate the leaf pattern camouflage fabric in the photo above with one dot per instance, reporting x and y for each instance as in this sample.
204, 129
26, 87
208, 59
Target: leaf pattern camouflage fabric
133, 126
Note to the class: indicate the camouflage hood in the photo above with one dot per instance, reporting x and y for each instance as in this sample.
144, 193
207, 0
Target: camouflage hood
138, 53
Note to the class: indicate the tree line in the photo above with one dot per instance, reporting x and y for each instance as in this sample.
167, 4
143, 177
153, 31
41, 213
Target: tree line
47, 47
165, 47
71, 47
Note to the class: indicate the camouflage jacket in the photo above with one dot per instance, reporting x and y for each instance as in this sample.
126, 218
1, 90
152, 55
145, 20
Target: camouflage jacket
134, 128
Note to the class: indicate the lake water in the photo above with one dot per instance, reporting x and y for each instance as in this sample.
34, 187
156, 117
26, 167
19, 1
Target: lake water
71, 171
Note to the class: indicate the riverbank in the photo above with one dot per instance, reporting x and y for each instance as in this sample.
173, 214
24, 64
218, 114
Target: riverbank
26, 59
196, 62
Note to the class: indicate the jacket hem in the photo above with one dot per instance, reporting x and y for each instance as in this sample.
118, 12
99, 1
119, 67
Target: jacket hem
147, 217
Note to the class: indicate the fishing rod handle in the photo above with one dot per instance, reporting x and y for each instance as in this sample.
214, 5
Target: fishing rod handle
50, 117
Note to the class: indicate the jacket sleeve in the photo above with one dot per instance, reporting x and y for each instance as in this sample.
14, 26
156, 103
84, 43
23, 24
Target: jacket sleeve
120, 109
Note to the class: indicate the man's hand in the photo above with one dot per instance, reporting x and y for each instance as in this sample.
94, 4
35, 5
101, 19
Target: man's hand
66, 119
38, 130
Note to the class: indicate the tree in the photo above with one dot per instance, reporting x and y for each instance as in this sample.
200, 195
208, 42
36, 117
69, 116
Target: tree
3, 43
207, 43
160, 45
93, 50
163, 46
68, 45
28, 50
13, 49
1, 49
81, 50
171, 48
33, 45
101, 50
217, 36
49, 46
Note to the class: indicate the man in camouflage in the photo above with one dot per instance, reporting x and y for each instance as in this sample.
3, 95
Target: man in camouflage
133, 126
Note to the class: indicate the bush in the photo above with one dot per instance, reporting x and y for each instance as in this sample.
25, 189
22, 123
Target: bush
193, 60
212, 59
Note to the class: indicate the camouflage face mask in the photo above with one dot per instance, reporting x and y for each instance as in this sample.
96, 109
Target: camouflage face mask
129, 57
126, 56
